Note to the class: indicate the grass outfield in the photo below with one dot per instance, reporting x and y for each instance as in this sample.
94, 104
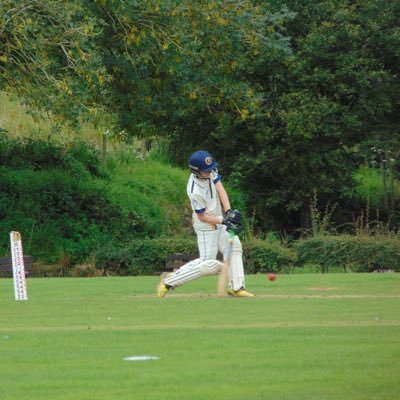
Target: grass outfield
334, 336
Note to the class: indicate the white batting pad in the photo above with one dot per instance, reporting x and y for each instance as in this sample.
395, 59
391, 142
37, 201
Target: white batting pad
193, 270
236, 275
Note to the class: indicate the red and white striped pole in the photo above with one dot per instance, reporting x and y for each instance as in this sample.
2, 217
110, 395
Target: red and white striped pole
17, 256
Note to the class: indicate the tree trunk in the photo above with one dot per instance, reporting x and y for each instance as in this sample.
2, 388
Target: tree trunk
104, 152
385, 193
305, 216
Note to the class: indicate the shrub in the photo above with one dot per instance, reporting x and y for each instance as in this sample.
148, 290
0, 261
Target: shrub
78, 158
264, 255
148, 256
351, 253
59, 215
142, 256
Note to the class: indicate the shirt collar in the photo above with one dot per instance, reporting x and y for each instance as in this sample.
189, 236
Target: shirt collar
201, 182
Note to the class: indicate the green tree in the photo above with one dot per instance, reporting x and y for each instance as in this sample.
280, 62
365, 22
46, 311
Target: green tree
147, 67
337, 90
47, 56
182, 66
288, 95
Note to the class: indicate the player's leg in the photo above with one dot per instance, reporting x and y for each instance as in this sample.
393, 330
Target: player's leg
205, 265
193, 270
237, 284
207, 242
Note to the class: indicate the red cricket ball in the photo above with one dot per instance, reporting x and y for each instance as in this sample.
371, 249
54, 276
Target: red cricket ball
271, 276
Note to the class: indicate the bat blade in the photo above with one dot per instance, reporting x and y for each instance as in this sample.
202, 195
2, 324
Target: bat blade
223, 274
223, 277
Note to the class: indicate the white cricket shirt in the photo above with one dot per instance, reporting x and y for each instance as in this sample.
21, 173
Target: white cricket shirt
204, 198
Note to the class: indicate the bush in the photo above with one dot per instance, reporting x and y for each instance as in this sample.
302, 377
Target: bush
351, 253
78, 158
58, 215
148, 256
66, 208
142, 256
263, 255
328, 254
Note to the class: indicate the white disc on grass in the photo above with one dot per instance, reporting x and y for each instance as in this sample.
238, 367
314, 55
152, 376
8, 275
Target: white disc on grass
141, 358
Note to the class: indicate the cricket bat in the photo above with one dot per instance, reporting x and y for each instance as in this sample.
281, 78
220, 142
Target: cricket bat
223, 274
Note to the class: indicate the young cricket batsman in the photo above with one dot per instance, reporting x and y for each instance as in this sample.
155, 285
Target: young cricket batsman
213, 219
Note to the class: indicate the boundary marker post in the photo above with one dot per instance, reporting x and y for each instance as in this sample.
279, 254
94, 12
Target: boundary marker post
17, 255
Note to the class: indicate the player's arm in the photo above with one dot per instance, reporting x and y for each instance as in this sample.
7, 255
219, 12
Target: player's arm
226, 205
223, 196
209, 218
232, 218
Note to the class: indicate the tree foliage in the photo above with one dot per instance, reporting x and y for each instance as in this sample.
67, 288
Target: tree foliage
335, 93
141, 66
46, 55
290, 96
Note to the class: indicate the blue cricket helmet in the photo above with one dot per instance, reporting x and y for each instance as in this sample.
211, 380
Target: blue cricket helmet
202, 161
